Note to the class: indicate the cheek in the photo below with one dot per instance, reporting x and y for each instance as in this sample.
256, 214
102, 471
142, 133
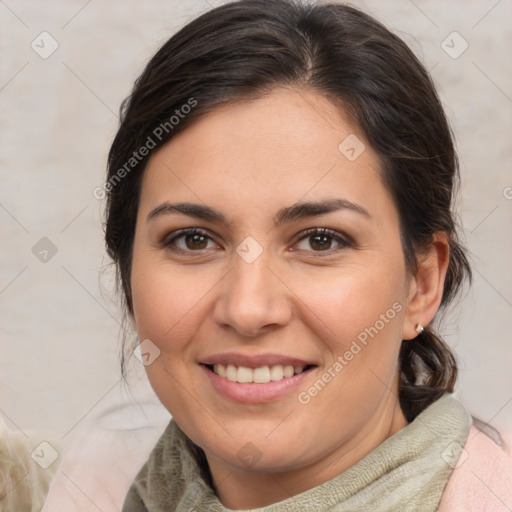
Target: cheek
358, 315
169, 306
349, 301
166, 300
359, 326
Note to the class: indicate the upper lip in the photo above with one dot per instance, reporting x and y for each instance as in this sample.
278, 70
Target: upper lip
254, 361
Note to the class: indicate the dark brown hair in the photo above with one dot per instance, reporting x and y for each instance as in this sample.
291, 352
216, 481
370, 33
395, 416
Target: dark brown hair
245, 49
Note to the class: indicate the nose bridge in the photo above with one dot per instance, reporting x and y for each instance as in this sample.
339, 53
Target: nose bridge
252, 297
252, 278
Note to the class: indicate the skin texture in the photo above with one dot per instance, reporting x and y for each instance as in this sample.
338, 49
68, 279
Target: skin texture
248, 160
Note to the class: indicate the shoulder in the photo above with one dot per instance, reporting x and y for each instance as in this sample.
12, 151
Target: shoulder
481, 478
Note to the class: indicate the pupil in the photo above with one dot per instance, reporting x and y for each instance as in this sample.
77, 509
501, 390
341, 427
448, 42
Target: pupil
195, 241
320, 242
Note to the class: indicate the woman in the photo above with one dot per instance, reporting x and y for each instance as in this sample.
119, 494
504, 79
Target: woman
280, 213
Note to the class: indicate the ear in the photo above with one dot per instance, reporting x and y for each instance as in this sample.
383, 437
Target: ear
426, 287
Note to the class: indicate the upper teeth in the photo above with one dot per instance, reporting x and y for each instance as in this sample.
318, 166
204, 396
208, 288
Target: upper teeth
259, 375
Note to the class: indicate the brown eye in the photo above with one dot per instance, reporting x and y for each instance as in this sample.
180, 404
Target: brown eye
196, 242
322, 239
189, 240
320, 242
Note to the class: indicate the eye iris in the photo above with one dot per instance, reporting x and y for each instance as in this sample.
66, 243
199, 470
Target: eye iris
320, 242
195, 241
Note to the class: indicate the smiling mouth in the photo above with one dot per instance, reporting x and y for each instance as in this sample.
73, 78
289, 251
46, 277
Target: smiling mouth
260, 375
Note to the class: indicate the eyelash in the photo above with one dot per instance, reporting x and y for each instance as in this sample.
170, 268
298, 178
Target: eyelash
344, 241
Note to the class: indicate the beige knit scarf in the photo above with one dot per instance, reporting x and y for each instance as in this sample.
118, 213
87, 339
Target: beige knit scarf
407, 472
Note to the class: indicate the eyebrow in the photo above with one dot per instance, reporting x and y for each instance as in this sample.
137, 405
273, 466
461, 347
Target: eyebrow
284, 216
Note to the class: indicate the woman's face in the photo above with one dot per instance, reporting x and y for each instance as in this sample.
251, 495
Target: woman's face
278, 323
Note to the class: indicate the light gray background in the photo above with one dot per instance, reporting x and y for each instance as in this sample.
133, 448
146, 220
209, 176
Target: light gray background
59, 330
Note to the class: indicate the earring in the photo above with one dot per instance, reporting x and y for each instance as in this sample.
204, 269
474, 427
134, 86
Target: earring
419, 328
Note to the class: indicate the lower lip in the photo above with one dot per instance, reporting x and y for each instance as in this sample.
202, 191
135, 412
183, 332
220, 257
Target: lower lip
252, 393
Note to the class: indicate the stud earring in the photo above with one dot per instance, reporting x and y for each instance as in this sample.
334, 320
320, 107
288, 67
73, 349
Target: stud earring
419, 328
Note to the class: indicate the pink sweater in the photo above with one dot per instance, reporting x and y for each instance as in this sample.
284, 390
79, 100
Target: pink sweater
481, 481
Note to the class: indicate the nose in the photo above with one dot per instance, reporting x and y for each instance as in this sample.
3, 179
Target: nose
252, 299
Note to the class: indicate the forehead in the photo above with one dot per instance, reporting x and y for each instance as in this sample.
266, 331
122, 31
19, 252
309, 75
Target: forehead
258, 155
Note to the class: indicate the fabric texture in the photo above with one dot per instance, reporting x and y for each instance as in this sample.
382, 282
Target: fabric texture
407, 472
482, 477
